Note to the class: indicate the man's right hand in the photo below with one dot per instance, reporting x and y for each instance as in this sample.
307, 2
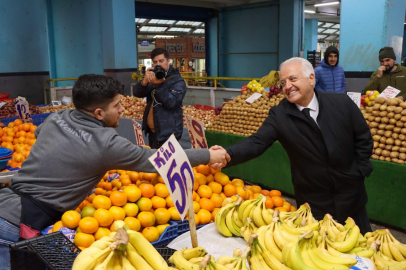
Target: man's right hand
380, 71
149, 76
218, 156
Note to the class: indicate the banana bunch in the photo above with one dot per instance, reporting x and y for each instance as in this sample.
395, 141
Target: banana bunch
305, 255
120, 250
299, 218
261, 258
256, 210
389, 246
270, 80
237, 262
194, 259
348, 239
330, 226
226, 219
248, 229
383, 262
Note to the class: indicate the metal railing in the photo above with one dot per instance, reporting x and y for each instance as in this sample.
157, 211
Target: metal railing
60, 80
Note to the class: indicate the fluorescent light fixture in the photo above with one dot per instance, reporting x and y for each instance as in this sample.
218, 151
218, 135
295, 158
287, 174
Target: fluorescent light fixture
309, 11
326, 4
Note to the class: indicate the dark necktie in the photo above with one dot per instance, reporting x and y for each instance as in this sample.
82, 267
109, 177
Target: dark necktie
306, 112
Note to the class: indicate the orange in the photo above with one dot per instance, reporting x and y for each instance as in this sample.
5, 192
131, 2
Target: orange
26, 127
11, 125
158, 202
162, 216
18, 122
203, 169
83, 239
118, 198
204, 216
195, 185
104, 217
281, 209
213, 214
133, 193
161, 228
161, 190
117, 212
174, 213
256, 195
238, 182
57, 226
144, 204
108, 187
125, 181
206, 204
87, 211
268, 203
256, 189
147, 190
215, 187
210, 178
277, 201
1, 132
204, 191
230, 190
9, 139
293, 209
98, 191
221, 178
91, 197
71, 219
88, 225
287, 206
11, 133
196, 207
217, 200
101, 232
131, 209
200, 178
160, 179
265, 192
147, 219
213, 171
133, 223
122, 172
197, 199
19, 158
223, 196
274, 193
149, 176
101, 202
242, 192
33, 128
169, 201
151, 234
133, 176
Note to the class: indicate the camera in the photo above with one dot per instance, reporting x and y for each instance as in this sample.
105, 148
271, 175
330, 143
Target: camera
159, 72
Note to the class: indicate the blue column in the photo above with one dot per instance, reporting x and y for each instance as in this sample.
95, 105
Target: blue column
291, 22
367, 27
211, 45
310, 35
404, 43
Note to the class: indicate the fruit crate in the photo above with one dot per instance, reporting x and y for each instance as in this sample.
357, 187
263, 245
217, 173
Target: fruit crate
53, 251
183, 226
37, 119
170, 233
165, 252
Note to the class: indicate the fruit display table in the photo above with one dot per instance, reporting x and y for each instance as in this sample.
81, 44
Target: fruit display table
386, 186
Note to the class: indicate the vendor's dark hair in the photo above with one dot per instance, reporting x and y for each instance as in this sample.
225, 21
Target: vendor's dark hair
158, 51
92, 91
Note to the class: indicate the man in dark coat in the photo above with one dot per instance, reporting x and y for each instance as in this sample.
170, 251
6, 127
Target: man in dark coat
328, 143
163, 114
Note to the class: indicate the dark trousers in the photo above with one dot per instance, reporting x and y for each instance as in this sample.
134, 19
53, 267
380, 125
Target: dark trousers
153, 142
362, 220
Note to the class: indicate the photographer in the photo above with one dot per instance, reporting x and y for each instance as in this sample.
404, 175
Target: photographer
164, 88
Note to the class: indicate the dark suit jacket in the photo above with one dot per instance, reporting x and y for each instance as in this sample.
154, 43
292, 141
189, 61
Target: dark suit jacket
327, 172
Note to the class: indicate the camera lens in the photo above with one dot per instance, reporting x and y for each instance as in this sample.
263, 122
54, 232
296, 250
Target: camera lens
159, 72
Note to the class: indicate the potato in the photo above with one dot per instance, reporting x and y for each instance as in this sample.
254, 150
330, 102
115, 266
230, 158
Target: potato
401, 161
375, 113
375, 156
403, 131
390, 108
395, 136
378, 151
403, 105
382, 126
382, 158
378, 119
396, 129
393, 121
383, 140
363, 111
402, 150
369, 109
373, 131
376, 107
402, 137
385, 153
403, 112
394, 154
371, 118
380, 100
389, 127
398, 110
390, 115
388, 159
383, 107
381, 145
388, 134
376, 144
366, 115
395, 160
384, 113
376, 138
384, 120
390, 141
388, 147
402, 156
397, 116
392, 101
398, 142
403, 119
400, 124
380, 132
395, 149
373, 124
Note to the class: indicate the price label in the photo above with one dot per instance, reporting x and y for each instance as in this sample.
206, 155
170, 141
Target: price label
22, 109
56, 103
2, 104
196, 133
173, 165
253, 97
390, 92
138, 133
356, 97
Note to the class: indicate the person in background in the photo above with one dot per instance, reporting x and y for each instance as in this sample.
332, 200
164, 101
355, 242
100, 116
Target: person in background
388, 74
163, 114
329, 74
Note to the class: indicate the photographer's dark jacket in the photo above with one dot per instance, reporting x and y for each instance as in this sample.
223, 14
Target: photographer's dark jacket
167, 102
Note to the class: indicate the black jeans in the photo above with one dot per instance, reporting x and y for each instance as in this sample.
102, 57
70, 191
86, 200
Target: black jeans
153, 142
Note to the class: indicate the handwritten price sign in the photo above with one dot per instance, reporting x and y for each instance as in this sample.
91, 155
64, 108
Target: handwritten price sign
390, 92
356, 97
22, 108
196, 133
138, 133
173, 165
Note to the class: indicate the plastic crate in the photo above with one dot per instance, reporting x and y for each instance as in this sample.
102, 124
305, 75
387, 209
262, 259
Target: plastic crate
183, 226
54, 250
170, 233
37, 119
165, 252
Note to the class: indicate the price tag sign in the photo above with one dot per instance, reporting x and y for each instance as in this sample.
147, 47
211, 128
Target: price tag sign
196, 133
173, 165
356, 97
2, 104
390, 92
56, 103
253, 97
138, 133
22, 109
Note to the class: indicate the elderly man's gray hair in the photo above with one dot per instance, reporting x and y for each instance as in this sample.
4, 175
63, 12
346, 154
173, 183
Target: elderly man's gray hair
307, 67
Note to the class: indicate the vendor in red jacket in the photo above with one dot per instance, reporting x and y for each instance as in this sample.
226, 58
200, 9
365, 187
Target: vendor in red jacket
328, 143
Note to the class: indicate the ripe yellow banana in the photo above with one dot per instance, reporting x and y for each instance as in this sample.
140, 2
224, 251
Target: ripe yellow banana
243, 206
194, 252
324, 265
137, 261
182, 263
385, 248
401, 247
126, 264
257, 215
349, 243
396, 254
271, 245
106, 262
89, 257
299, 231
103, 242
220, 220
347, 261
237, 221
231, 225
225, 259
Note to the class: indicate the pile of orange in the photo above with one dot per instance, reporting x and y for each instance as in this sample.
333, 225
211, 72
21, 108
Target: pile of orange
18, 137
143, 202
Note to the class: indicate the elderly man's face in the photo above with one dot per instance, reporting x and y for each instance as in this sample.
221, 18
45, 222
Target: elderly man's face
297, 88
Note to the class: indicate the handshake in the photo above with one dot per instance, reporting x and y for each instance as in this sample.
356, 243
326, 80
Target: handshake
218, 157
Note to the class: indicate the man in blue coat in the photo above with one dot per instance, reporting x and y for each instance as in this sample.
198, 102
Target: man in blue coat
329, 75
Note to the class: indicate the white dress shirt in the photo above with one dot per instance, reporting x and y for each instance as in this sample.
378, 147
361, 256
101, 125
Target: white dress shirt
313, 106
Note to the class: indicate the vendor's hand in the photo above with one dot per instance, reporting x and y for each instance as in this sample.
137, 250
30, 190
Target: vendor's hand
218, 156
380, 71
217, 166
400, 97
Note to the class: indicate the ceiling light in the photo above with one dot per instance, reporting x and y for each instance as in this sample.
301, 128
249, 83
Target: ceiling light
309, 11
326, 4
